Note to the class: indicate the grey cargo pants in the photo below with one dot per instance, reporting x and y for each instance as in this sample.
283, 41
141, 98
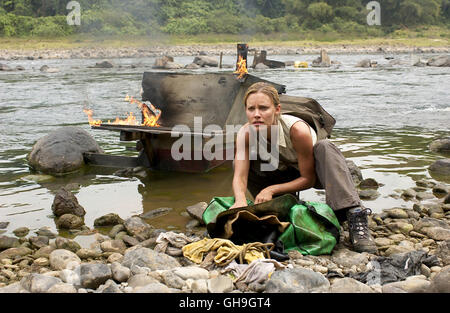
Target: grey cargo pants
332, 174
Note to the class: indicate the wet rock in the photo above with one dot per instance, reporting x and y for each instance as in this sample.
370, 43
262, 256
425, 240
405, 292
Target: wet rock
296, 280
437, 233
69, 221
61, 151
323, 60
368, 194
120, 273
14, 288
205, 61
354, 171
173, 66
149, 258
109, 287
37, 283
84, 253
110, 219
115, 230
200, 286
397, 213
113, 246
155, 213
261, 66
161, 62
45, 231
196, 211
440, 145
103, 64
397, 249
130, 241
60, 259
424, 196
192, 66
171, 280
66, 203
115, 257
191, 272
220, 284
94, 275
5, 68
136, 227
439, 61
13, 253
140, 280
441, 281
8, 242
21, 231
441, 167
47, 69
67, 244
44, 252
39, 241
71, 276
441, 189
409, 193
62, 288
348, 258
412, 284
349, 285
3, 225
153, 288
447, 199
400, 227
369, 183
443, 252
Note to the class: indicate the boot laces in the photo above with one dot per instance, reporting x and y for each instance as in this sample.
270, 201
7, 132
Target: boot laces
359, 225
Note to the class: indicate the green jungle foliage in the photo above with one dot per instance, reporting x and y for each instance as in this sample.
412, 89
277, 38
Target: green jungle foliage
47, 18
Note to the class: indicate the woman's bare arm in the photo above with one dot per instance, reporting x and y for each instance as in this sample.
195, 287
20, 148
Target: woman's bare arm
302, 142
241, 168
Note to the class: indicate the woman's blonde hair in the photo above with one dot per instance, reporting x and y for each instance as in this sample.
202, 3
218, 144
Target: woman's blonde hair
264, 88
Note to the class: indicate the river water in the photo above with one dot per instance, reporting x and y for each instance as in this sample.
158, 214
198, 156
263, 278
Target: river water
386, 118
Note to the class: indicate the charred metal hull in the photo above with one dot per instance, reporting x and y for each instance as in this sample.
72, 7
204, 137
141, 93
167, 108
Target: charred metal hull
183, 98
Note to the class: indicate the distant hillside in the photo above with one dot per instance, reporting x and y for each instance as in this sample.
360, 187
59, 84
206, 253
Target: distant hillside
48, 18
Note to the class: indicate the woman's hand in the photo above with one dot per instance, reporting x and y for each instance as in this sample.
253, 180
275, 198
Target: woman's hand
239, 204
264, 195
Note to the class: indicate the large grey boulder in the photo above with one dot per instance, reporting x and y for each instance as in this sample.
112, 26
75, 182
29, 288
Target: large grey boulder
61, 151
297, 280
109, 219
145, 257
8, 242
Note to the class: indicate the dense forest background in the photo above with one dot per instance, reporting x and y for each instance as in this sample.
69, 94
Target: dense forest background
21, 18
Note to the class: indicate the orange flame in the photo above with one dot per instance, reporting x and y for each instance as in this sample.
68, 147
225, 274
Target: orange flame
241, 67
92, 122
151, 115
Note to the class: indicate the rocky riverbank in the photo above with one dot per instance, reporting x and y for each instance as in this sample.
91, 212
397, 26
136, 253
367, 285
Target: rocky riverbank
131, 256
214, 50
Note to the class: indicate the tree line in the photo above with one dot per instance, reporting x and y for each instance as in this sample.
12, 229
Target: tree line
192, 17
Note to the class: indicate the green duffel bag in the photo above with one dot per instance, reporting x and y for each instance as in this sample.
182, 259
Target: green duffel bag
314, 229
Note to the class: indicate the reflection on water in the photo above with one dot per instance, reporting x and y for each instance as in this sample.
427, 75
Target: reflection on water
386, 119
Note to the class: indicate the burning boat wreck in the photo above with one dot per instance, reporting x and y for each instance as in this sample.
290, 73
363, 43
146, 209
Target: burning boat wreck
180, 105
